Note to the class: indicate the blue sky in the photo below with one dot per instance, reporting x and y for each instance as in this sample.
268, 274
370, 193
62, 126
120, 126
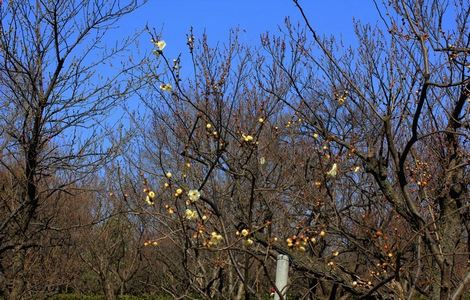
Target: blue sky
173, 18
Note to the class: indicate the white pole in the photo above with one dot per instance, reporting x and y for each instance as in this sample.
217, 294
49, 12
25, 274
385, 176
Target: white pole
282, 270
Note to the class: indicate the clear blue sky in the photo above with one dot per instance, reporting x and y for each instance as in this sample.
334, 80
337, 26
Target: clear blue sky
174, 17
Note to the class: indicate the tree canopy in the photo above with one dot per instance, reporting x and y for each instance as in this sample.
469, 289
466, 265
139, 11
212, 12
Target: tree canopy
351, 160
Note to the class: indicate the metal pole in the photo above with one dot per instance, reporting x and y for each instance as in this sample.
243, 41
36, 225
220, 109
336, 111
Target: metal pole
282, 270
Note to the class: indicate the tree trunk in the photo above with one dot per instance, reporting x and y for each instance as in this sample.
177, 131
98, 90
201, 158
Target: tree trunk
109, 291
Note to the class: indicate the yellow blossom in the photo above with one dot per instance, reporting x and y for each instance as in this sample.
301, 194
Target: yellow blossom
247, 138
149, 200
169, 209
333, 171
166, 87
341, 96
215, 238
178, 192
190, 214
262, 161
151, 194
208, 125
168, 175
261, 120
249, 242
160, 44
214, 233
290, 242
194, 195
245, 232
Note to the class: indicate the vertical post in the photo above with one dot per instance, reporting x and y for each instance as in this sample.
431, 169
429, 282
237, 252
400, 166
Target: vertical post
282, 270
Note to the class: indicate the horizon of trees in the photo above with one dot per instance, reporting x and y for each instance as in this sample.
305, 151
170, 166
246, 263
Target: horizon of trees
353, 161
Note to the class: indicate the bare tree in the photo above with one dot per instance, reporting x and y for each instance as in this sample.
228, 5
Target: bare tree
53, 96
112, 249
353, 161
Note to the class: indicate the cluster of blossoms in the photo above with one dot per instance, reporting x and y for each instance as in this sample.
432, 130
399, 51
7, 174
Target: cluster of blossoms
169, 209
294, 123
245, 233
300, 242
331, 263
150, 196
420, 173
333, 172
160, 45
193, 196
166, 87
178, 192
382, 269
211, 131
150, 243
200, 229
341, 96
215, 239
190, 214
362, 283
247, 138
